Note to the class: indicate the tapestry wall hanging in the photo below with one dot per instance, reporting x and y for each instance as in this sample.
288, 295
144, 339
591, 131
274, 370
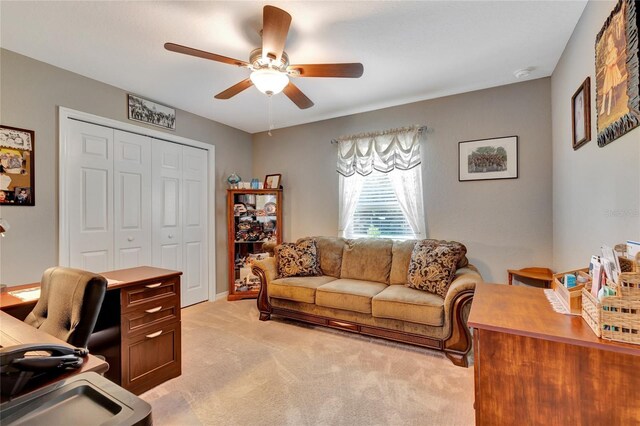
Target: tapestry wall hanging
17, 182
617, 79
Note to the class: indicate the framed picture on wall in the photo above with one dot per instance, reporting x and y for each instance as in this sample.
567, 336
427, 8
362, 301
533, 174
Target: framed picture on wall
17, 181
488, 159
146, 111
581, 115
617, 74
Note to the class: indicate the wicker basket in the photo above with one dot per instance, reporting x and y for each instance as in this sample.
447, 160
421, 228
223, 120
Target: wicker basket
629, 285
591, 311
615, 318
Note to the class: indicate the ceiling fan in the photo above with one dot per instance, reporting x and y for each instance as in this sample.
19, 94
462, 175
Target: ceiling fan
269, 65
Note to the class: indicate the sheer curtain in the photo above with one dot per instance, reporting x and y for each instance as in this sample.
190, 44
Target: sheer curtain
407, 185
350, 188
396, 152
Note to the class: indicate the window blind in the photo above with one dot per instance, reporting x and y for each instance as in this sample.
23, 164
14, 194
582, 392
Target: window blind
378, 213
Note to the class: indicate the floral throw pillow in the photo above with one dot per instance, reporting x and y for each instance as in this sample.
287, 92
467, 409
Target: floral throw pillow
433, 265
298, 260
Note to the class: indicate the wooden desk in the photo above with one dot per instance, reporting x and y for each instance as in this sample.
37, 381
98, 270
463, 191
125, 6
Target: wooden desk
15, 332
139, 319
535, 366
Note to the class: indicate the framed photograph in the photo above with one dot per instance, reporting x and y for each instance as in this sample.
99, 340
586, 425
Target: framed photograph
581, 115
17, 167
272, 181
617, 79
146, 111
488, 159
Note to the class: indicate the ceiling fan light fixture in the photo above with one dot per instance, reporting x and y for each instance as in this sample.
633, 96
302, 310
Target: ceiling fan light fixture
269, 81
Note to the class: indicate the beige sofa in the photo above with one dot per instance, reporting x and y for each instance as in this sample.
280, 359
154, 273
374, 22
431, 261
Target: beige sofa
362, 290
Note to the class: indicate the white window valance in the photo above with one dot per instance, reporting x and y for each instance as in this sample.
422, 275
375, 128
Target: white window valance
382, 151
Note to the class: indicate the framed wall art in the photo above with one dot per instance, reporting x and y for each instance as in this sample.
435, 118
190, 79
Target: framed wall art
17, 167
146, 111
617, 79
581, 115
488, 159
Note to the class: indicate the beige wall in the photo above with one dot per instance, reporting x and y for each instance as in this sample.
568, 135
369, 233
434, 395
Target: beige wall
505, 224
31, 92
596, 191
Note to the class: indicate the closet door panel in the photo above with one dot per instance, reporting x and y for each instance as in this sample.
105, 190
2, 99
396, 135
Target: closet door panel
167, 202
195, 283
89, 193
132, 200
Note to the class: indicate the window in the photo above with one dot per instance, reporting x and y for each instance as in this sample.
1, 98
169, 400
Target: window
378, 213
376, 205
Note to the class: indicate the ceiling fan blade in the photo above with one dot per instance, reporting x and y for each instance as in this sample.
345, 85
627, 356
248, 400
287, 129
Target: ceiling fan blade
205, 55
275, 26
235, 89
298, 98
354, 70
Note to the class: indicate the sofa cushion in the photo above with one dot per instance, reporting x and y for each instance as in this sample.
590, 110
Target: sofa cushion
299, 289
433, 265
402, 257
297, 260
367, 259
348, 294
400, 263
329, 254
408, 304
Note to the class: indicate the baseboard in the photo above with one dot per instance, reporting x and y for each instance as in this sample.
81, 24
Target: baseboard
222, 295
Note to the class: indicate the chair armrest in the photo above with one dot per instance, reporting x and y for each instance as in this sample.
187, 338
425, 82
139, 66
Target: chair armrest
266, 270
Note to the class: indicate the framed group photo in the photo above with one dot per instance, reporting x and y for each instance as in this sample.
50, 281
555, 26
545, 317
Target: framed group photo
146, 111
17, 167
488, 159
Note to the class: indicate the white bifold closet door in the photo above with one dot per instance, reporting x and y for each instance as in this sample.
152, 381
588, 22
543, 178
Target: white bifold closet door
109, 198
180, 215
133, 201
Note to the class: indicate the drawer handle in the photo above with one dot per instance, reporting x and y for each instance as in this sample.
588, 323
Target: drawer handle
153, 310
156, 285
152, 335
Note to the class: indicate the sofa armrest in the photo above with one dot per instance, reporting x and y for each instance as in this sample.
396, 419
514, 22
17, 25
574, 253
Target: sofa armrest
465, 279
457, 305
266, 270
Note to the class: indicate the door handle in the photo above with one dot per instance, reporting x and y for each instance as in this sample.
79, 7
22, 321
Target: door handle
156, 285
170, 235
153, 310
130, 239
152, 335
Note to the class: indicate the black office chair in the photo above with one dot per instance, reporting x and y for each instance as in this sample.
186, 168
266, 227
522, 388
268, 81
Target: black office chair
70, 300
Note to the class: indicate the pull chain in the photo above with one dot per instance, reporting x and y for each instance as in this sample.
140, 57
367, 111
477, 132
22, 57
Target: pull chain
270, 114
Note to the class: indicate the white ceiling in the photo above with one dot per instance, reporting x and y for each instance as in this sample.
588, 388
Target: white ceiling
410, 50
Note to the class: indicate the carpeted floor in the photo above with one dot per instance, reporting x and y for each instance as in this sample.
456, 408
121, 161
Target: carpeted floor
237, 370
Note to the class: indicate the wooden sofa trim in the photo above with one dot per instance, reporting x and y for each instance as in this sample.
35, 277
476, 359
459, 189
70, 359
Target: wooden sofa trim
456, 346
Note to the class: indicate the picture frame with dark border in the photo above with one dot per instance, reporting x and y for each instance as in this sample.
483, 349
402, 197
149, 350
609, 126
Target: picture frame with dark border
272, 181
617, 75
150, 112
581, 115
488, 159
17, 166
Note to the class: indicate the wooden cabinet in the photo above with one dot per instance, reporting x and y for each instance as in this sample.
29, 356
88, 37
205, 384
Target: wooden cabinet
254, 217
536, 366
150, 333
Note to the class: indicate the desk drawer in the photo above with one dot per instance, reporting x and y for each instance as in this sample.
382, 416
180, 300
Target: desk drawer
151, 317
150, 359
133, 297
